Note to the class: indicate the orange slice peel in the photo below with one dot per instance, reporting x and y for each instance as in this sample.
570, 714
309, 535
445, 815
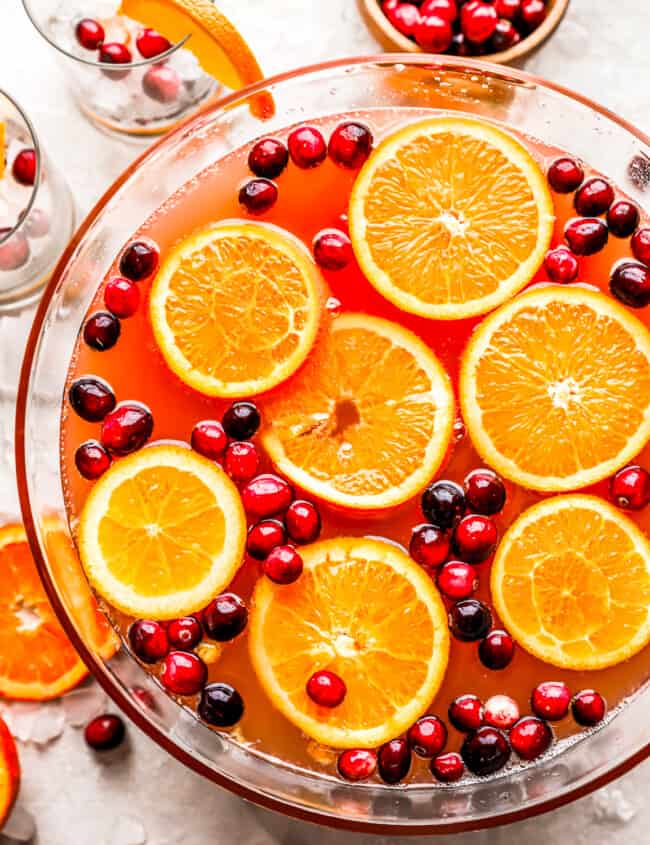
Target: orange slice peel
9, 772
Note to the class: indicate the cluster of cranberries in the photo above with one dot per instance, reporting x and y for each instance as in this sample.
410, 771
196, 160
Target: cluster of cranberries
15, 251
465, 27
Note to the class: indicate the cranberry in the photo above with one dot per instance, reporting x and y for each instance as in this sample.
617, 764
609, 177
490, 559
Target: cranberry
433, 33
457, 580
91, 459
485, 751
485, 493
588, 708
357, 764
586, 235
496, 650
478, 20
475, 538
326, 689
429, 546
594, 197
533, 13
405, 18
121, 297
466, 713
104, 733
470, 620
221, 705
266, 495
14, 252
460, 46
448, 768
241, 421
504, 36
162, 84
623, 218
91, 398
630, 283
428, 736
185, 633
501, 711
332, 250
127, 428
24, 167
630, 488
241, 461
350, 144
151, 43
209, 439
149, 640
258, 195
183, 673
561, 265
446, 9
565, 175
115, 54
443, 503
530, 737
394, 760
268, 158
225, 617
283, 565
139, 261
102, 331
90, 33
641, 245
307, 147
303, 521
508, 9
551, 700
263, 537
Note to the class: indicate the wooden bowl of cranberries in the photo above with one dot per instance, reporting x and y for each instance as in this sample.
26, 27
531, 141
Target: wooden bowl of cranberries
500, 30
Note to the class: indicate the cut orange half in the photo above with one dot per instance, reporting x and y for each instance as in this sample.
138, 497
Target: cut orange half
449, 217
162, 532
9, 772
235, 308
368, 421
555, 388
571, 582
346, 614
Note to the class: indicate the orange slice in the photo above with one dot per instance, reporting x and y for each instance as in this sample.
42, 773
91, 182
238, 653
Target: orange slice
571, 582
235, 308
367, 422
162, 532
555, 388
449, 217
9, 772
346, 613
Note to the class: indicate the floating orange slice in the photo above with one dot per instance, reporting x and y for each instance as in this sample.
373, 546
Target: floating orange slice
367, 422
9, 772
346, 614
555, 388
235, 308
571, 582
449, 217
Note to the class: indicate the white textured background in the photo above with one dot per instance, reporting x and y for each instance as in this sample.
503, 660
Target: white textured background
601, 50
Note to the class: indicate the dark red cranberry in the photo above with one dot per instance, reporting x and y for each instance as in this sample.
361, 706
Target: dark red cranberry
326, 689
429, 546
466, 713
504, 36
623, 218
151, 43
470, 620
501, 712
641, 245
266, 495
149, 640
428, 736
145, 698
139, 261
447, 9
561, 265
263, 537
303, 521
121, 297
496, 650
183, 673
460, 46
241, 421
241, 461
104, 733
357, 764
448, 768
268, 158
127, 428
307, 147
532, 14
350, 144
443, 503
478, 20
115, 54
630, 283
185, 633
586, 235
594, 197
551, 700
332, 249
508, 9
565, 175
394, 760
485, 751
405, 17
457, 580
37, 224
283, 565
630, 488
14, 252
221, 705
485, 493
530, 737
102, 331
433, 33
24, 167
588, 708
92, 460
225, 617
258, 195
90, 34
209, 439
162, 84
475, 537
91, 398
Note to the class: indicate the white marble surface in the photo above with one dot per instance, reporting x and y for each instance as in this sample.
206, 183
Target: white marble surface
601, 50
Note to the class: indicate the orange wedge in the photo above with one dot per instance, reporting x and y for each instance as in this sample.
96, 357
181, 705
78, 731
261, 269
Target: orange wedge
571, 582
367, 422
449, 217
9, 772
347, 613
235, 308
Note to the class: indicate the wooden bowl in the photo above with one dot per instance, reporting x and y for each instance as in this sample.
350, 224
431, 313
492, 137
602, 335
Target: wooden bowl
392, 39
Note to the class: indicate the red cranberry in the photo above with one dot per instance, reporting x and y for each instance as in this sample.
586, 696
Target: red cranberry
209, 439
350, 144
303, 521
115, 54
433, 33
504, 36
241, 421
268, 158
533, 13
144, 698
565, 175
266, 495
102, 331
139, 261
24, 167
241, 461
623, 218
630, 283
127, 428
466, 713
326, 689
530, 737
91, 398
428, 736
332, 249
121, 297
225, 617
485, 751
478, 20
263, 537
221, 705
185, 633
594, 197
405, 18
457, 580
394, 760
446, 9
162, 84
429, 546
561, 265
14, 252
485, 493
475, 538
470, 620
551, 700
496, 650
90, 33
307, 147
588, 708
448, 768
443, 503
37, 224
151, 43
586, 235
258, 195
283, 565
501, 712
630, 488
508, 9
641, 245
357, 764
183, 673
104, 733
91, 459
148, 640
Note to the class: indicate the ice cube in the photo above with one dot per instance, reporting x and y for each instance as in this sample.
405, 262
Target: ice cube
48, 723
612, 805
20, 716
83, 704
20, 826
128, 830
186, 65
